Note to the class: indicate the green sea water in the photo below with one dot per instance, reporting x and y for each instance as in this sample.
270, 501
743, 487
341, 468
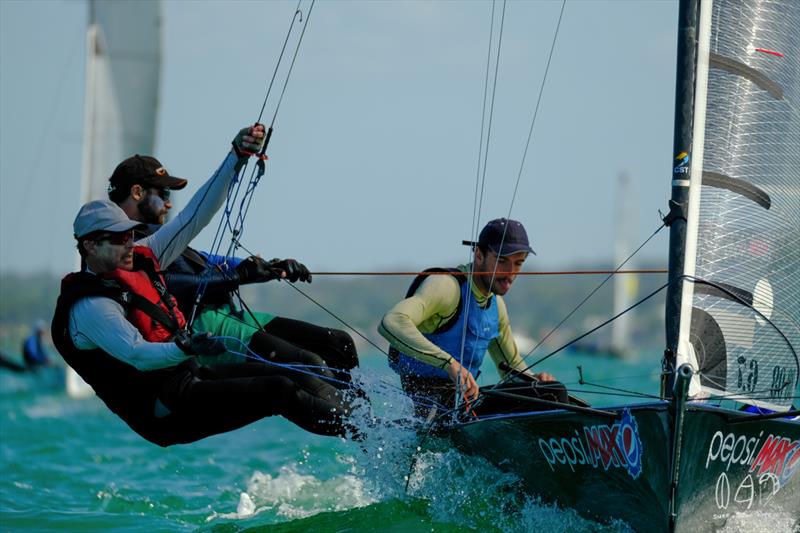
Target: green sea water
70, 465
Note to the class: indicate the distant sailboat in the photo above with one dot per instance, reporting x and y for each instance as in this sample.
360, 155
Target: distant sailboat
625, 286
123, 63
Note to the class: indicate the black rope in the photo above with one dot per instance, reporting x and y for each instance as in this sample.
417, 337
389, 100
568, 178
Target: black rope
548, 356
348, 326
582, 381
280, 58
491, 108
536, 110
312, 300
237, 227
291, 66
588, 296
474, 232
745, 303
694, 279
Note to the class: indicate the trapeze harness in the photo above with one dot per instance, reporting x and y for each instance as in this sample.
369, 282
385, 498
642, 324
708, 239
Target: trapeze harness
482, 326
190, 271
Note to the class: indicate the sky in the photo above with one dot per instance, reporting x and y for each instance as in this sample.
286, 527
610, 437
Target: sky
374, 158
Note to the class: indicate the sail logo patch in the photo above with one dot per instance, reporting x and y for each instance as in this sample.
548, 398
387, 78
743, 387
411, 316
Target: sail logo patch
598, 446
683, 163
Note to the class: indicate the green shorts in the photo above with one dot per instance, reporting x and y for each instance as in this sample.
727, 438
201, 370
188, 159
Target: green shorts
237, 328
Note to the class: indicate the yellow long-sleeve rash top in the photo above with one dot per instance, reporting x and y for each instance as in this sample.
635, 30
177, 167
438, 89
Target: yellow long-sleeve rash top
432, 305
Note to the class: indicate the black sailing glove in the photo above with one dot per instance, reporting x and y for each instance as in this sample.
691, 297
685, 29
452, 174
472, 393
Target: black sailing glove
249, 140
198, 344
295, 271
256, 270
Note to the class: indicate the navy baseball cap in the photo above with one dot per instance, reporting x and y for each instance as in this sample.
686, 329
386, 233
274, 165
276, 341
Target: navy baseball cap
505, 237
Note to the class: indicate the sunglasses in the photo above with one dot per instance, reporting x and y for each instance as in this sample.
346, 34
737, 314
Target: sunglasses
164, 192
119, 239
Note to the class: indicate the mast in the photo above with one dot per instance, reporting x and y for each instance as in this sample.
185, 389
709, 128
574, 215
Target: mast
688, 15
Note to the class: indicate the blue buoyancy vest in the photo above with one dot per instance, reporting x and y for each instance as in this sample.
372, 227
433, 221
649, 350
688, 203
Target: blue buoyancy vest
482, 327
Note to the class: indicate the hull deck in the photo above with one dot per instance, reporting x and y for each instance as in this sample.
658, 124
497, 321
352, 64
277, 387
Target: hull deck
620, 468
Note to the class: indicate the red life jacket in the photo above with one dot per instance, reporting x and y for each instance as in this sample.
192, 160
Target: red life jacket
127, 391
146, 281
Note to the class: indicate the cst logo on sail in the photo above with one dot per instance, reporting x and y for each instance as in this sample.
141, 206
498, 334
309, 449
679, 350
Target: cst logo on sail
683, 163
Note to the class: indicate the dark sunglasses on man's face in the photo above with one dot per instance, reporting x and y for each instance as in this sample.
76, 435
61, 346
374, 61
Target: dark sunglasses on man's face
119, 239
163, 193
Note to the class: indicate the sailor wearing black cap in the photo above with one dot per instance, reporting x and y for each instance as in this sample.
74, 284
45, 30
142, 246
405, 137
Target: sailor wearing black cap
120, 329
441, 331
143, 180
204, 285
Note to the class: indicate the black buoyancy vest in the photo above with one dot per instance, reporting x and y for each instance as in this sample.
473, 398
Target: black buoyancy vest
190, 273
128, 392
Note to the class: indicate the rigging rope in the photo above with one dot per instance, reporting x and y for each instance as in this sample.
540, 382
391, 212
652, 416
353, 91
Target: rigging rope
522, 163
573, 341
480, 178
237, 227
526, 273
593, 292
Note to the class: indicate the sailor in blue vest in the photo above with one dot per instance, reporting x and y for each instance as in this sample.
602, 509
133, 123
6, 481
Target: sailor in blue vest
33, 351
440, 333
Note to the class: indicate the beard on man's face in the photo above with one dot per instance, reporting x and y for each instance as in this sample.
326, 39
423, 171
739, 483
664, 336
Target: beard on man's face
148, 212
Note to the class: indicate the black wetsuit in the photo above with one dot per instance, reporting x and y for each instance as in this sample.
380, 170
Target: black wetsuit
330, 351
189, 402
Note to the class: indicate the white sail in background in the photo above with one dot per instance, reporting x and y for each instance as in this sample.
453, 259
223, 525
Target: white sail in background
626, 286
122, 81
740, 316
123, 63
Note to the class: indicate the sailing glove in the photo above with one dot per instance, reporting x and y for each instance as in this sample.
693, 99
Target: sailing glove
198, 344
249, 140
256, 270
295, 271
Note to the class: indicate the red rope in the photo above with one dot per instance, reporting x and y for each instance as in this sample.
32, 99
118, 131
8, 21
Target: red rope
540, 273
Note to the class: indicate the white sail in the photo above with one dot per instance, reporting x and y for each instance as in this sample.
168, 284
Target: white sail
625, 285
740, 316
122, 81
123, 62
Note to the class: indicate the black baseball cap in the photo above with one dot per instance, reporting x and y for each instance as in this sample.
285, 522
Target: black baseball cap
143, 170
504, 237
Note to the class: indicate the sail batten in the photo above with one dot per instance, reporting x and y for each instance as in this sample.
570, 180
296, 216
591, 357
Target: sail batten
739, 322
740, 69
739, 186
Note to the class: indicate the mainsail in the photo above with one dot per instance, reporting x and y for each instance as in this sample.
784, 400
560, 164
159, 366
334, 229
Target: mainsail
123, 62
122, 74
740, 302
